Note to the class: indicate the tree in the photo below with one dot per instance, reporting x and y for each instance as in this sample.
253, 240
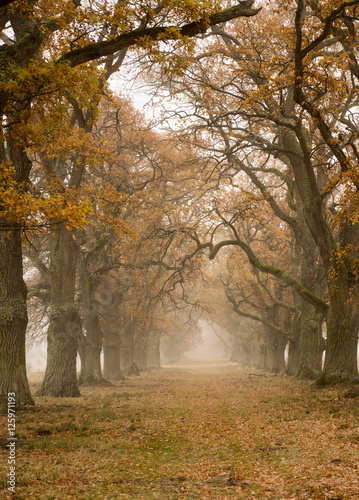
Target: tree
266, 102
42, 52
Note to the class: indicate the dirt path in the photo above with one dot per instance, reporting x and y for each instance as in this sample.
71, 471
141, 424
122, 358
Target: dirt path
199, 429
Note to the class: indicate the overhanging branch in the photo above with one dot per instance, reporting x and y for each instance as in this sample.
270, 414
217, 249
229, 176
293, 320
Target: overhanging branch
107, 47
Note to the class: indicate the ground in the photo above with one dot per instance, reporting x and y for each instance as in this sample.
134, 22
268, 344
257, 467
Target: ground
197, 430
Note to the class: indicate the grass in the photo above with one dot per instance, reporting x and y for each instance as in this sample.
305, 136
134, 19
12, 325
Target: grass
190, 432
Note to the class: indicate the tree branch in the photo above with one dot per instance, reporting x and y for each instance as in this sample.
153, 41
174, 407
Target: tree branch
104, 48
296, 285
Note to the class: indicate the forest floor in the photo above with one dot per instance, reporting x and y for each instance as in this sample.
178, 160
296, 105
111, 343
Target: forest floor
196, 430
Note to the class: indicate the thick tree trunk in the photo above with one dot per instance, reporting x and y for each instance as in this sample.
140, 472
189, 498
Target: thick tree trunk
90, 348
342, 316
90, 356
65, 324
311, 339
172, 350
140, 358
293, 363
311, 342
275, 348
276, 341
127, 351
341, 363
140, 348
257, 353
112, 352
241, 353
153, 352
13, 320
13, 308
342, 340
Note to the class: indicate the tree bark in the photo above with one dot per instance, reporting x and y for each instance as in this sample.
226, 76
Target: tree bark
127, 350
257, 350
340, 365
90, 348
275, 340
97, 50
241, 352
153, 356
13, 321
275, 348
112, 352
293, 363
311, 342
140, 348
13, 308
65, 323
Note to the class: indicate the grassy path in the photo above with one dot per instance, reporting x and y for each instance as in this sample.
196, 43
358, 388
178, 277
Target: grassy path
190, 431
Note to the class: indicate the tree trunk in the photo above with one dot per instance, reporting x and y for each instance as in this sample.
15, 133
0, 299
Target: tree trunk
13, 321
153, 351
311, 342
293, 363
13, 308
275, 348
311, 339
172, 350
112, 353
340, 364
65, 324
241, 352
276, 341
140, 348
90, 348
127, 351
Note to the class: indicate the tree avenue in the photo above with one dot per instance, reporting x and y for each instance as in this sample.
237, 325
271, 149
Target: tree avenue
258, 171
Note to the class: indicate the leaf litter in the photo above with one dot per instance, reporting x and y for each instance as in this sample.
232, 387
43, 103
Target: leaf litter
190, 431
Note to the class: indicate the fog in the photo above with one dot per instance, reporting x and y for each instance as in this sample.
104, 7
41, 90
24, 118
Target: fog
36, 358
212, 344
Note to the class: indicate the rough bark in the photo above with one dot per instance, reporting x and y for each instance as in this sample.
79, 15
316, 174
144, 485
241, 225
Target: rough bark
111, 350
293, 363
90, 348
311, 342
127, 351
258, 354
65, 323
241, 352
312, 275
13, 309
153, 351
340, 365
13, 321
275, 347
140, 348
276, 341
